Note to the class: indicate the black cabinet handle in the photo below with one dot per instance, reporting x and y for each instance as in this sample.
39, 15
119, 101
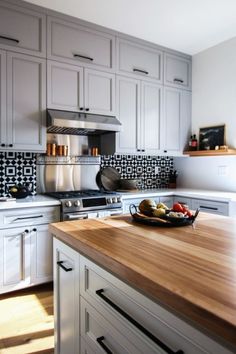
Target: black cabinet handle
83, 57
103, 345
3, 145
60, 263
162, 345
10, 145
10, 39
81, 108
178, 80
143, 150
165, 151
141, 71
86, 109
138, 149
207, 207
34, 229
26, 231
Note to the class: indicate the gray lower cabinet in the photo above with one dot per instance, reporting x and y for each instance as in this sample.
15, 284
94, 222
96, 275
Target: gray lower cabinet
139, 105
177, 71
22, 30
139, 60
79, 45
23, 122
74, 88
177, 120
66, 299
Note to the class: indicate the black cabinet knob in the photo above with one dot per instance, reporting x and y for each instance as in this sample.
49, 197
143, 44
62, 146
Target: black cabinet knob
86, 109
26, 231
81, 108
165, 150
3, 145
34, 229
10, 145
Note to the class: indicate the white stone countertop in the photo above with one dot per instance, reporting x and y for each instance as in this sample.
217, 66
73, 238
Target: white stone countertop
183, 192
29, 202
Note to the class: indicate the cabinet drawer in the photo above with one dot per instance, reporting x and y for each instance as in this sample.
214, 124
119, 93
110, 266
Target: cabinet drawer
210, 206
183, 200
102, 334
166, 327
29, 216
22, 30
139, 60
177, 71
80, 45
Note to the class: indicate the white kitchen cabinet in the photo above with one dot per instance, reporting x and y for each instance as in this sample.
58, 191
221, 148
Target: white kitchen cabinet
211, 206
139, 106
26, 247
22, 121
66, 299
177, 71
14, 259
177, 120
3, 97
79, 45
139, 60
74, 88
22, 30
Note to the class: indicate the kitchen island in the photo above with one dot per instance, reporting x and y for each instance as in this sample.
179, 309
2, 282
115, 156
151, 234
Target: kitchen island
189, 271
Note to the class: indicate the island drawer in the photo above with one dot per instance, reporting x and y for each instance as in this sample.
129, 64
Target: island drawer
98, 332
104, 291
30, 216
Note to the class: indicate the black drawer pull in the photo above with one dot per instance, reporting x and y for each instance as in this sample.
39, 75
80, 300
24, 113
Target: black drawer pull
10, 39
103, 345
141, 71
60, 263
3, 145
83, 57
178, 80
206, 207
136, 324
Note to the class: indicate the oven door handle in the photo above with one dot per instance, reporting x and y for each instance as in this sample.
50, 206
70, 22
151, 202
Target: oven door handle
77, 216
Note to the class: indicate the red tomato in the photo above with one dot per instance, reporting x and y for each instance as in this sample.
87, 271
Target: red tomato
178, 208
189, 213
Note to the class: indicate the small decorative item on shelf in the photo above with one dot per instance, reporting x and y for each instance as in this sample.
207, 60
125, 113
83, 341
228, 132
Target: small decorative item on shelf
172, 179
212, 137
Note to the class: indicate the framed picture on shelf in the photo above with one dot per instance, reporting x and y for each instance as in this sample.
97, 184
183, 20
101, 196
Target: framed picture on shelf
211, 137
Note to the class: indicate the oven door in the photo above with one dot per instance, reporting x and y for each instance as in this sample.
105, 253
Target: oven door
91, 214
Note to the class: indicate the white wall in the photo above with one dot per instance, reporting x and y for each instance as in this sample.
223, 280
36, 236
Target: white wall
213, 103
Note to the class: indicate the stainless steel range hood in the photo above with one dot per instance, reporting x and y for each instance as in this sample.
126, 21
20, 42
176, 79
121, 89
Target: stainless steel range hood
75, 123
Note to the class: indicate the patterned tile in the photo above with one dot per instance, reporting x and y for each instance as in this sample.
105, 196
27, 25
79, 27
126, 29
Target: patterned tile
143, 168
17, 168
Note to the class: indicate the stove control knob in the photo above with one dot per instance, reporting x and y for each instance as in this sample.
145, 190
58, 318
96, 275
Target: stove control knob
109, 200
68, 203
77, 203
114, 200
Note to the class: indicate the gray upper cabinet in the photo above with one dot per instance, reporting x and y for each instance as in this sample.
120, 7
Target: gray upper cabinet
22, 30
139, 60
24, 121
139, 105
177, 120
177, 71
75, 88
79, 45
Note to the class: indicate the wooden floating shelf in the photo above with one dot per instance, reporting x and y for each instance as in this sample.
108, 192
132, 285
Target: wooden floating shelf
211, 152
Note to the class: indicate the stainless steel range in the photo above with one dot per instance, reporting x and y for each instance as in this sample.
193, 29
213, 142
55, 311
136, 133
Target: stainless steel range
86, 204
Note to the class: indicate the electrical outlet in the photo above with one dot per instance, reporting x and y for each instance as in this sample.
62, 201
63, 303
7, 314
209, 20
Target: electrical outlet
222, 170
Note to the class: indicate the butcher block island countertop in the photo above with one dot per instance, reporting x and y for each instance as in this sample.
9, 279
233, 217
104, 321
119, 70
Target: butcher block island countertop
190, 270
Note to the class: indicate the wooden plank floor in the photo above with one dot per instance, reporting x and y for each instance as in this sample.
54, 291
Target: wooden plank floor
26, 321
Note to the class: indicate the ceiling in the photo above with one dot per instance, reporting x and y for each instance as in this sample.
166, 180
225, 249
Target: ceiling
189, 26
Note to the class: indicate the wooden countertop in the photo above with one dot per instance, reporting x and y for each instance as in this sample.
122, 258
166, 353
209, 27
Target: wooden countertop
192, 271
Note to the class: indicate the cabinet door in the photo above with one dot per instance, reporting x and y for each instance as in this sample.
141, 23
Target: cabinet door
177, 120
99, 92
26, 103
66, 298
128, 110
139, 60
80, 45
3, 106
151, 106
64, 86
177, 71
14, 259
22, 30
41, 254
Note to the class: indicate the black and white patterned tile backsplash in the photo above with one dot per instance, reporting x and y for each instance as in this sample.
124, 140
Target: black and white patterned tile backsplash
17, 168
153, 171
